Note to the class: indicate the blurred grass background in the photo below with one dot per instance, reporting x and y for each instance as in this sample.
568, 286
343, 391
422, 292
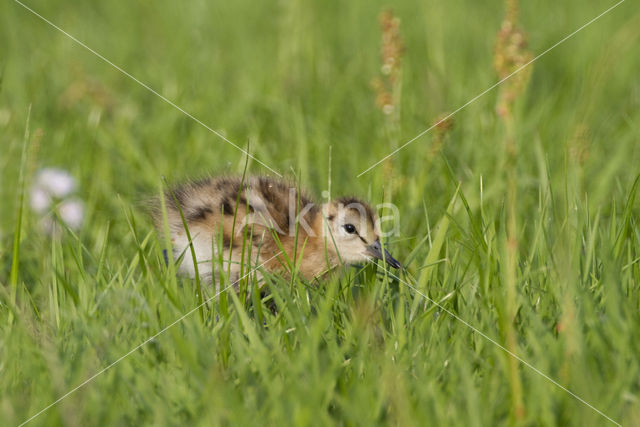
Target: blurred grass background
290, 80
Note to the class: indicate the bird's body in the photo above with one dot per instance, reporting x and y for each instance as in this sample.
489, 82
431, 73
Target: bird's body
266, 222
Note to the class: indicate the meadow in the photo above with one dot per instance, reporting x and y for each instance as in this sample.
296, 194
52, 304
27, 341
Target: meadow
519, 215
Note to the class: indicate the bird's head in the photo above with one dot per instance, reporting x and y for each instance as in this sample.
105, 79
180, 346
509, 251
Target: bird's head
352, 228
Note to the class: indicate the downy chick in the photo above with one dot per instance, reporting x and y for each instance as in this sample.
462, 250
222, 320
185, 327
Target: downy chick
267, 222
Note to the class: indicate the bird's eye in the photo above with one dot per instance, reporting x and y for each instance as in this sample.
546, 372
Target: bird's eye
349, 228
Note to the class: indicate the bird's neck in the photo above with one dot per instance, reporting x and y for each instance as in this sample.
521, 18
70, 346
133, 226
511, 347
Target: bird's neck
320, 255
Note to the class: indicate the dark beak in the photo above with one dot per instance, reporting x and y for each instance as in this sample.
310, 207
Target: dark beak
375, 250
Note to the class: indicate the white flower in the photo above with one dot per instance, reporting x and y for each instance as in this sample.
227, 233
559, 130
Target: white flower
40, 200
56, 182
51, 190
71, 212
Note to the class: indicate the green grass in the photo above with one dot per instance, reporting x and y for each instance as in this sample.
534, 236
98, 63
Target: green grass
290, 80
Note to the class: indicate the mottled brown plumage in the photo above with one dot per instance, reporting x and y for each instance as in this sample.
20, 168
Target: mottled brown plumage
267, 222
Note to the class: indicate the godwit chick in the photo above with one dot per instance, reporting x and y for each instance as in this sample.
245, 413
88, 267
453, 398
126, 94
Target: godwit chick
267, 221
